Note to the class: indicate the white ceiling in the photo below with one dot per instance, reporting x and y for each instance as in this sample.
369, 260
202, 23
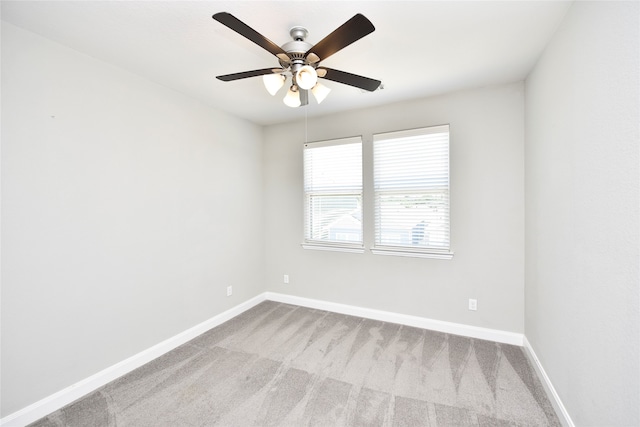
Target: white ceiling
419, 48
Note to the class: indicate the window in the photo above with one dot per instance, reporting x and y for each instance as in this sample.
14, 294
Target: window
411, 191
333, 194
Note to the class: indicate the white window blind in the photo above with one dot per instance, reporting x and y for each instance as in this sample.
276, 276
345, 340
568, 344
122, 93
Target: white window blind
333, 192
411, 190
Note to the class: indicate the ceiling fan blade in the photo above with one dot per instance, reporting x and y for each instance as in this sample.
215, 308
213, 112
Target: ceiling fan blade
246, 31
349, 79
246, 74
352, 30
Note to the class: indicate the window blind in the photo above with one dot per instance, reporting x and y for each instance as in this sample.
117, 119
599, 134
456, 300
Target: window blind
411, 189
333, 192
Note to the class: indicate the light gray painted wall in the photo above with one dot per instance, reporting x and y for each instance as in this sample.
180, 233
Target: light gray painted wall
582, 272
487, 197
124, 218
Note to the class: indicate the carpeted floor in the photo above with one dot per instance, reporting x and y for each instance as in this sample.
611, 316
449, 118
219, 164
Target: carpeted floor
283, 365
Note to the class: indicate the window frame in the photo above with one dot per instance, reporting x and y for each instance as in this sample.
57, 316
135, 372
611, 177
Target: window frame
379, 248
331, 245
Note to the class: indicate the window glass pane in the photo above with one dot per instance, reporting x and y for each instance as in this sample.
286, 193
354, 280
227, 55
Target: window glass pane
333, 191
411, 186
413, 162
413, 219
335, 167
335, 218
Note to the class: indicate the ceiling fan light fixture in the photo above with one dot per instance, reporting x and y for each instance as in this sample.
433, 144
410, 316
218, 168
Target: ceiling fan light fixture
320, 92
306, 77
273, 82
292, 99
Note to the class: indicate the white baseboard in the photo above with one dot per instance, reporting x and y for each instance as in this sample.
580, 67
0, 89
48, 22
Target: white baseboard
403, 319
565, 419
65, 396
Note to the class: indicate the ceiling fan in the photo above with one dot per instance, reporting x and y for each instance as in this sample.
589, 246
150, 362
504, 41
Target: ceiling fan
301, 60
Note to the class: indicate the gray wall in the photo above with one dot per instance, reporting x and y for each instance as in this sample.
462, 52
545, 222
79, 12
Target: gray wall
487, 199
582, 201
120, 228
124, 218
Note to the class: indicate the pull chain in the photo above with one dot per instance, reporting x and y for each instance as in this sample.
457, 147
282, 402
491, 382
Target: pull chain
306, 125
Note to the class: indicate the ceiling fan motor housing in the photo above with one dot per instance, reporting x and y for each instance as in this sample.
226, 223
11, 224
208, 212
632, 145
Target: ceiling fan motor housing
296, 49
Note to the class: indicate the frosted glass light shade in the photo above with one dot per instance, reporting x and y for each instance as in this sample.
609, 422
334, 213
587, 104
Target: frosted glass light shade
320, 92
306, 77
273, 82
292, 99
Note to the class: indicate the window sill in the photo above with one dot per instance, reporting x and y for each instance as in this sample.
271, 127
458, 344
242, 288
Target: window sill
335, 248
427, 253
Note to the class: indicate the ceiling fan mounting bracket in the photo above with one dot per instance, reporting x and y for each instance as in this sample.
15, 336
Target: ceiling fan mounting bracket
298, 33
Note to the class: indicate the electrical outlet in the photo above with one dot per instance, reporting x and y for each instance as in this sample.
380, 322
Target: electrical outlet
473, 304
229, 291
286, 279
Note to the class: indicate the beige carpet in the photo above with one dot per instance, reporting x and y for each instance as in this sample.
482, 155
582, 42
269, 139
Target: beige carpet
283, 365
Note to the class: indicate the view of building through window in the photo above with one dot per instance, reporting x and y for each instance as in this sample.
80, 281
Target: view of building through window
410, 190
414, 220
411, 187
336, 218
333, 191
